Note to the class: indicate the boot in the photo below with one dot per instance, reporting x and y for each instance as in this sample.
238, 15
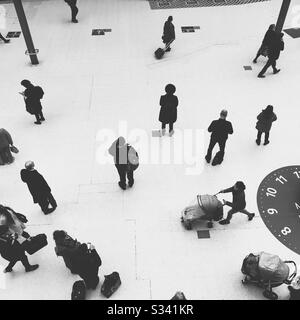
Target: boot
122, 186
31, 267
276, 71
8, 269
225, 221
37, 122
251, 216
207, 158
266, 142
257, 142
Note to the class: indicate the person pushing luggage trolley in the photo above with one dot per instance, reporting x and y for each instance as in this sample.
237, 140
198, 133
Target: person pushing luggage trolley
168, 37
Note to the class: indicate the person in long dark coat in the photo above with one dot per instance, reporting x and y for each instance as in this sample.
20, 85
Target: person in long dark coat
5, 143
238, 202
220, 129
267, 41
124, 158
264, 124
66, 247
169, 32
74, 9
38, 188
4, 39
273, 54
168, 110
32, 96
12, 251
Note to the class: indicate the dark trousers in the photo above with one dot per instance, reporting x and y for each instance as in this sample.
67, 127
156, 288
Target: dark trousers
39, 116
163, 126
232, 211
45, 200
270, 62
123, 173
259, 133
213, 142
74, 9
23, 259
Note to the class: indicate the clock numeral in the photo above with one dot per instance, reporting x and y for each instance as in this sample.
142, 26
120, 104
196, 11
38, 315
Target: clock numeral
271, 192
286, 230
281, 179
272, 211
297, 173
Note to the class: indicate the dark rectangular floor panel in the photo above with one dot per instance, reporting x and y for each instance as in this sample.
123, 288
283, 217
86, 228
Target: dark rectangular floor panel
293, 32
203, 234
176, 4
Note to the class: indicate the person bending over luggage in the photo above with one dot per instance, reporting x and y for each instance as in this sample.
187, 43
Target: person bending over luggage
220, 129
13, 251
66, 246
88, 263
238, 202
169, 32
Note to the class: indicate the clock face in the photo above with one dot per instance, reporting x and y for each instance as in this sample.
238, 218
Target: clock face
278, 200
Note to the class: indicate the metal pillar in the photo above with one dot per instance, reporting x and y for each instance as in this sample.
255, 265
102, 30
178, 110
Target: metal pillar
282, 15
25, 30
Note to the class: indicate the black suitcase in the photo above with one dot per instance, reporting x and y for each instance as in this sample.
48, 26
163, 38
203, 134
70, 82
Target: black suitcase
159, 53
35, 243
218, 159
111, 284
78, 291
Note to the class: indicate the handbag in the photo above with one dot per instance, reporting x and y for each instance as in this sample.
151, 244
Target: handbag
35, 244
14, 149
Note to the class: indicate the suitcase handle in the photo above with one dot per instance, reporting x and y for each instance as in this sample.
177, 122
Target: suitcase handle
293, 275
168, 44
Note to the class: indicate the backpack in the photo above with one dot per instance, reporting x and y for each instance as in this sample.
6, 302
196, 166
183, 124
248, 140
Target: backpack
133, 159
111, 284
78, 291
39, 92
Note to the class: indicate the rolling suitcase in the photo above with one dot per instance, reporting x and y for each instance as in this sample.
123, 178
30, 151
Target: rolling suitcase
159, 53
78, 291
35, 243
111, 284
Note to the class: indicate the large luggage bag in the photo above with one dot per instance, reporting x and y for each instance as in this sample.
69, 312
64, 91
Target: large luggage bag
111, 284
159, 53
35, 244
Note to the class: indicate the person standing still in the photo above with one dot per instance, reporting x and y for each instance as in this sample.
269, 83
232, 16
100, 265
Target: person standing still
74, 9
168, 110
220, 129
168, 33
264, 124
38, 187
32, 97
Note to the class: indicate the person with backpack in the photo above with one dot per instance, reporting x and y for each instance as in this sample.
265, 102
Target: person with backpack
267, 41
238, 203
168, 110
38, 187
168, 33
220, 129
66, 247
126, 160
264, 124
32, 96
276, 46
74, 9
13, 251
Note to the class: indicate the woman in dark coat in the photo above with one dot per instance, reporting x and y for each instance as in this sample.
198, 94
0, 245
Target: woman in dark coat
5, 143
168, 110
66, 247
267, 41
264, 124
169, 32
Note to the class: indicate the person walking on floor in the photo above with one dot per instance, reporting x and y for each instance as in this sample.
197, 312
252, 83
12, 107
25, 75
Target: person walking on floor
168, 32
220, 129
267, 41
168, 110
74, 9
32, 96
12, 251
4, 39
6, 143
273, 54
126, 161
238, 202
264, 124
38, 187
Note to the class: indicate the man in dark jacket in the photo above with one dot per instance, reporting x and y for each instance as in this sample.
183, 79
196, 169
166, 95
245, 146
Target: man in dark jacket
38, 188
32, 96
273, 54
169, 32
3, 39
220, 129
238, 202
74, 9
12, 251
126, 161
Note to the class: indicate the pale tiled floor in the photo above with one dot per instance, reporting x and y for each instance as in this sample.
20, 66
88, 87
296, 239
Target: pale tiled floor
92, 83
